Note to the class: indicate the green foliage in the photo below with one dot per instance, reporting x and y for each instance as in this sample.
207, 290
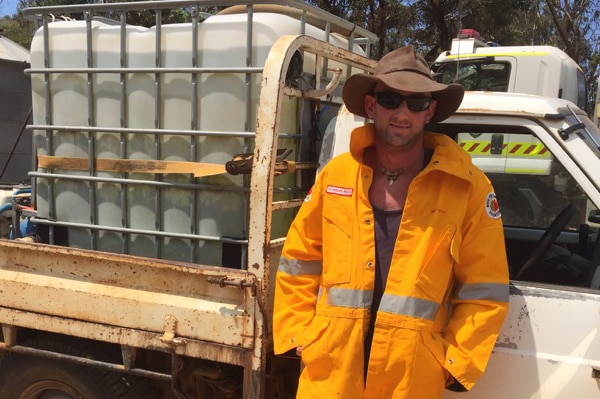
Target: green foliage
392, 21
572, 25
21, 30
17, 29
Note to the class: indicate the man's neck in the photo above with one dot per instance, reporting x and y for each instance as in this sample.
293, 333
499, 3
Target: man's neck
398, 158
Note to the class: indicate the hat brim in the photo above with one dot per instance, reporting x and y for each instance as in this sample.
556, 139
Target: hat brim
448, 97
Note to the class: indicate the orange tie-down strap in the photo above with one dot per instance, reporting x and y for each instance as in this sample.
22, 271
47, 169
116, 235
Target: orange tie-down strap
198, 169
239, 165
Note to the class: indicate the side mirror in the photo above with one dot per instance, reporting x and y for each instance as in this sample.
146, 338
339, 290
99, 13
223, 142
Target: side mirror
594, 216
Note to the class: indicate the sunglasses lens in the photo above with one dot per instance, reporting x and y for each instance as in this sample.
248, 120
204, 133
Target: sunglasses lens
392, 100
389, 99
418, 103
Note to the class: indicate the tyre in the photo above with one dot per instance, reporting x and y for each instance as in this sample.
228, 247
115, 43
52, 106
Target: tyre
28, 377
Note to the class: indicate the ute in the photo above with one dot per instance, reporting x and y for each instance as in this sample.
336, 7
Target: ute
487, 66
169, 163
548, 346
541, 154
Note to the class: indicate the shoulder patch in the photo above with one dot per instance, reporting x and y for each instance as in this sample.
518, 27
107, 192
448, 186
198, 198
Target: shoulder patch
491, 206
308, 195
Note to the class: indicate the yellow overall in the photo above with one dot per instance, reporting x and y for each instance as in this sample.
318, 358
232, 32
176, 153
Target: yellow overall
446, 295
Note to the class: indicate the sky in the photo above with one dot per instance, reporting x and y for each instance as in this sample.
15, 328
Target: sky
8, 7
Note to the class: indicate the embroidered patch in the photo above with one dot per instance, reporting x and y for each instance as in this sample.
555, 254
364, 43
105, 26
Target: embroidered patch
491, 206
345, 192
308, 195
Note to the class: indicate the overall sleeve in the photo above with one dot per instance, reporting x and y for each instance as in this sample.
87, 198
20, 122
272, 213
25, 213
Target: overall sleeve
298, 276
480, 298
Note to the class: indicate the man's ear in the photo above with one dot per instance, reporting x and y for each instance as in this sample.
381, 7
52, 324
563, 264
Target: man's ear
431, 110
370, 105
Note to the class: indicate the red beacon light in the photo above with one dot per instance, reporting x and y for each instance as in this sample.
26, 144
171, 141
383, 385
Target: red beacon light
469, 34
467, 41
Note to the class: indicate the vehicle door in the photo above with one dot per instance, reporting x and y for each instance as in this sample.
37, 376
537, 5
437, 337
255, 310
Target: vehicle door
547, 188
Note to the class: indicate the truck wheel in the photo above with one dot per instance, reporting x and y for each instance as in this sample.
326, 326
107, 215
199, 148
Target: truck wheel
25, 377
29, 377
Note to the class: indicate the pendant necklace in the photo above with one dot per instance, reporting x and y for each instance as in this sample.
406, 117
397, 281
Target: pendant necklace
392, 175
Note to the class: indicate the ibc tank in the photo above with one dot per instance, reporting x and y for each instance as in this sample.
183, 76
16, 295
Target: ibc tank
214, 207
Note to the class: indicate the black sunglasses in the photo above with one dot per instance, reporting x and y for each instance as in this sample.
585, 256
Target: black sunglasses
392, 100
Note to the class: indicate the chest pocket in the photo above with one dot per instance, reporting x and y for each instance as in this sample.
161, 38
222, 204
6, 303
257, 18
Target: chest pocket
436, 276
338, 216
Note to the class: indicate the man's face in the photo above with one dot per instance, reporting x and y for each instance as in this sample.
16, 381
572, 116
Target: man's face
396, 124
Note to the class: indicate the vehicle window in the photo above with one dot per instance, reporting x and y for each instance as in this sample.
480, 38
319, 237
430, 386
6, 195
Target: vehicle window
531, 186
533, 189
475, 74
534, 200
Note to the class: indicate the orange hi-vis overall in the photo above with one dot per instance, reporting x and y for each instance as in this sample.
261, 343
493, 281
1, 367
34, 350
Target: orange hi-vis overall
446, 294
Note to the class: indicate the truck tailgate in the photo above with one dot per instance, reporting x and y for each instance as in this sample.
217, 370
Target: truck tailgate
183, 300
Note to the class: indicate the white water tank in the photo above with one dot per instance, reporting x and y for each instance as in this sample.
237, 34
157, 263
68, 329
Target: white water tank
76, 100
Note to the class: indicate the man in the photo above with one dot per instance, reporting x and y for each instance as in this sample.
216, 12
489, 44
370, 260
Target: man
393, 281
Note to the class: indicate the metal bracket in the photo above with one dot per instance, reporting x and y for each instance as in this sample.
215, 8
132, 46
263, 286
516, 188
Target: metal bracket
224, 281
565, 133
242, 164
129, 354
10, 335
318, 93
170, 335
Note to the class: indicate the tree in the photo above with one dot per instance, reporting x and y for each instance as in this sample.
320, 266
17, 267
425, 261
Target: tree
145, 18
21, 30
390, 20
572, 20
571, 25
17, 29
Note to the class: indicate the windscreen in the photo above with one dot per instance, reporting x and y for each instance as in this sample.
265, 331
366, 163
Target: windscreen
476, 75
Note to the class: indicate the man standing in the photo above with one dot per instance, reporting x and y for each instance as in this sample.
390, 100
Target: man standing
393, 281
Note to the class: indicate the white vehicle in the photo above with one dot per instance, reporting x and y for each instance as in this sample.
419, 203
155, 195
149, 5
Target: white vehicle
548, 346
542, 70
170, 162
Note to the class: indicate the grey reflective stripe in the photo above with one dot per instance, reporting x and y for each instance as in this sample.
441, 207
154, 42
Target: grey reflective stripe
349, 298
483, 291
409, 306
297, 267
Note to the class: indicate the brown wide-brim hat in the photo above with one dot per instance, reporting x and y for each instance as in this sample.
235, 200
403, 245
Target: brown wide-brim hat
402, 69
